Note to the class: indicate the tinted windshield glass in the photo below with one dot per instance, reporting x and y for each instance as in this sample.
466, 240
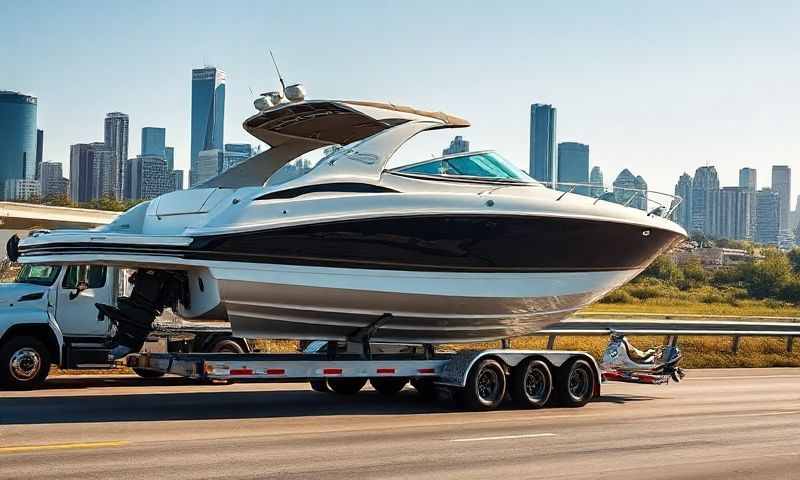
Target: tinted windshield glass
485, 165
38, 274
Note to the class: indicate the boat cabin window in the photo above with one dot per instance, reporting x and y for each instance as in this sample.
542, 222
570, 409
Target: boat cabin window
480, 165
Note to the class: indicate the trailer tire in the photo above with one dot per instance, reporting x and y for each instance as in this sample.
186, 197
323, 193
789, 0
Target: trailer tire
531, 384
486, 386
388, 387
24, 363
346, 386
575, 383
320, 386
227, 345
145, 373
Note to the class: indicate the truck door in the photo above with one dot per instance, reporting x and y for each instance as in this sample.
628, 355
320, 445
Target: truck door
81, 287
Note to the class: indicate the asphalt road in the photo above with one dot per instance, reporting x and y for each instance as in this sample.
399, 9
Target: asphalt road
718, 424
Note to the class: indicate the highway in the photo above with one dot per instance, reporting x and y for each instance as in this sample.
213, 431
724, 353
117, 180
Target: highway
717, 424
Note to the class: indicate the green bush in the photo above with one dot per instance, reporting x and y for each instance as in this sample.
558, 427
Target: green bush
664, 268
618, 296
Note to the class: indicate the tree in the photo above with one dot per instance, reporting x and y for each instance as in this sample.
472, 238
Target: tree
664, 268
768, 277
794, 259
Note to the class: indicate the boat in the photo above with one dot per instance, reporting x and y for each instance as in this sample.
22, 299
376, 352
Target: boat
460, 248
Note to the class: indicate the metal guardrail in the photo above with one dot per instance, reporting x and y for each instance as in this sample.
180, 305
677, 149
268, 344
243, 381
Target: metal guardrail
674, 328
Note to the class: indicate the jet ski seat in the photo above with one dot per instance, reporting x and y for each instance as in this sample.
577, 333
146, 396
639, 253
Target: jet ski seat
637, 355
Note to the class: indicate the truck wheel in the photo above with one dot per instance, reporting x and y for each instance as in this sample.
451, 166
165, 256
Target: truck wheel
24, 363
320, 385
575, 384
346, 386
227, 345
145, 373
486, 386
531, 384
388, 386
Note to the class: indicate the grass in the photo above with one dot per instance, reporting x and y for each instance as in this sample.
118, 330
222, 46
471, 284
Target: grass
672, 306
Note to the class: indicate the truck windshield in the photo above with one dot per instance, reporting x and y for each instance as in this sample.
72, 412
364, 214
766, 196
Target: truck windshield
38, 274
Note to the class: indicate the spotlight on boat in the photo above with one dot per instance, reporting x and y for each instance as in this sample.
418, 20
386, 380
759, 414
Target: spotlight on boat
296, 92
263, 103
275, 97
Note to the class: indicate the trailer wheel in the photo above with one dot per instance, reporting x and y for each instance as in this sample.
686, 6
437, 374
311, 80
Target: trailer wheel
486, 386
575, 384
145, 373
531, 383
227, 345
346, 386
320, 386
24, 363
388, 386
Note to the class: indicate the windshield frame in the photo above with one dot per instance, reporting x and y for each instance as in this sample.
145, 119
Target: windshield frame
41, 281
525, 180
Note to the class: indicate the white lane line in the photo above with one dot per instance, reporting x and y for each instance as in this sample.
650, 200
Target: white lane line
763, 414
504, 437
734, 377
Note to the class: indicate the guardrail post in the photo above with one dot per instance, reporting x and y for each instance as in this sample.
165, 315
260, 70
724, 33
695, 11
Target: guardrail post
789, 342
735, 345
551, 341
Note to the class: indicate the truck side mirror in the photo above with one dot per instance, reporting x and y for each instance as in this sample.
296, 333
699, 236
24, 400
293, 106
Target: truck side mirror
78, 289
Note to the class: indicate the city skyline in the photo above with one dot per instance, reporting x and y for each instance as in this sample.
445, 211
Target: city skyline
663, 105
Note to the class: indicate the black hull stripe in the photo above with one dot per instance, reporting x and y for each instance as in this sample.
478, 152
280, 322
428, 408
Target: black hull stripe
464, 243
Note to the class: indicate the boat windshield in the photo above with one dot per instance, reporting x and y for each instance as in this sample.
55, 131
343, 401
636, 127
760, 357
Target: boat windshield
472, 165
38, 274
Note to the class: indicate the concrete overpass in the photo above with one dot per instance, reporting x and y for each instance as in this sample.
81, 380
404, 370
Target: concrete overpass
19, 218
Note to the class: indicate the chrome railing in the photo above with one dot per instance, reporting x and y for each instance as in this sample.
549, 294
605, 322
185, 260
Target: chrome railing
654, 203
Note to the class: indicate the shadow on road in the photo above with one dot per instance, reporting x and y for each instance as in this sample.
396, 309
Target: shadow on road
210, 404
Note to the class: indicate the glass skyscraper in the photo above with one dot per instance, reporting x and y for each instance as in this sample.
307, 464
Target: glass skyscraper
573, 165
154, 142
705, 201
208, 115
457, 145
542, 142
116, 140
683, 189
782, 185
17, 138
169, 156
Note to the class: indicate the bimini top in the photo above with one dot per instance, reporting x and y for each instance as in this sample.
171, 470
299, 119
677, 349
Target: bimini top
292, 129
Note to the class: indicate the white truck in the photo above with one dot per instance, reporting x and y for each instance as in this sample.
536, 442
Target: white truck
48, 317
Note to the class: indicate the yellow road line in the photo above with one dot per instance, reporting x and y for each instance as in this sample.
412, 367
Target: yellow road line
60, 446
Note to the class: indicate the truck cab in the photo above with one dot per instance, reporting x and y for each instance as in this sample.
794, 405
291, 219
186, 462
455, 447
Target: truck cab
48, 317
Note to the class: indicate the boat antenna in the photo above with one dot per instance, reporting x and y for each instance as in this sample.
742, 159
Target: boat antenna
283, 85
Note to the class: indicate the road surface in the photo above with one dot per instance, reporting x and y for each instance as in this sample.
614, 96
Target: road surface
718, 424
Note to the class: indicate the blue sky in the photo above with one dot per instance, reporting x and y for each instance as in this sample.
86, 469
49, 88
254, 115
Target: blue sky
659, 87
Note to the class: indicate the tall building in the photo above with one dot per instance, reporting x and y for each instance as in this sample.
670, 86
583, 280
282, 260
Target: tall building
208, 166
683, 189
148, 177
52, 181
734, 213
81, 172
39, 151
154, 142
705, 201
22, 189
748, 178
177, 179
630, 190
208, 112
768, 212
17, 139
169, 156
543, 142
116, 139
457, 145
596, 179
573, 165
782, 185
104, 171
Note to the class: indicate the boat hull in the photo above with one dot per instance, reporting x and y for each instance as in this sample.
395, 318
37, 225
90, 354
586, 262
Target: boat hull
279, 301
